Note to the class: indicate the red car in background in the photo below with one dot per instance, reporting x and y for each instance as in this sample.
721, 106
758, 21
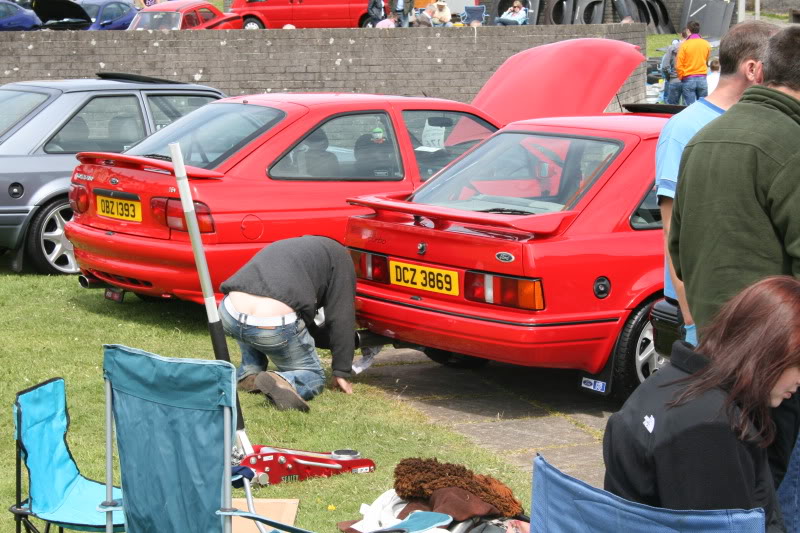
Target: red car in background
275, 14
541, 247
185, 15
273, 166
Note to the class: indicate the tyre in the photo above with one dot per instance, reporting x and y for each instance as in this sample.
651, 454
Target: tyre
252, 23
635, 357
454, 360
47, 246
366, 22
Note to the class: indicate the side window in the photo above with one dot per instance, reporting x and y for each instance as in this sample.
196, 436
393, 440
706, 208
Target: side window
112, 12
349, 147
105, 123
206, 14
648, 214
5, 10
190, 20
439, 137
166, 109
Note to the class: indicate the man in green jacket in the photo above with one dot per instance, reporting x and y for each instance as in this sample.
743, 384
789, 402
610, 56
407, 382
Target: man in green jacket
736, 215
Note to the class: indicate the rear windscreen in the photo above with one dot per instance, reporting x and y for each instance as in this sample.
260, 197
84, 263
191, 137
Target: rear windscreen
16, 105
211, 134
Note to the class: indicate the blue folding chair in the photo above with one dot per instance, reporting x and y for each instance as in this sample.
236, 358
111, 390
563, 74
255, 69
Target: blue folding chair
57, 492
472, 13
563, 504
174, 436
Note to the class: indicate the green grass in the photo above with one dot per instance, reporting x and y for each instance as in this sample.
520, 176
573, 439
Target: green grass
654, 42
51, 327
783, 17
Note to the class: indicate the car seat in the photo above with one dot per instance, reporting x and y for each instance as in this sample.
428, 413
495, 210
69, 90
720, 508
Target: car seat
123, 132
73, 137
373, 159
313, 159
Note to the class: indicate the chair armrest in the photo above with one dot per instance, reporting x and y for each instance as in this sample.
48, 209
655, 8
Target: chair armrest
258, 518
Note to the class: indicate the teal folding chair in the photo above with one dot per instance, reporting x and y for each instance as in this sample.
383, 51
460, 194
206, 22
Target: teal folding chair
175, 434
57, 492
563, 504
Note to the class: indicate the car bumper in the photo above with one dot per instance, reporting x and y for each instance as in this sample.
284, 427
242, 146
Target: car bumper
163, 268
667, 326
548, 342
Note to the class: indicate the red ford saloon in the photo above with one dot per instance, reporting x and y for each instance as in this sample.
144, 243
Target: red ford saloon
185, 15
273, 166
540, 247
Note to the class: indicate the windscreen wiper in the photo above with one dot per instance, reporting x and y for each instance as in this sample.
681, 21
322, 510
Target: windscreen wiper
505, 211
158, 156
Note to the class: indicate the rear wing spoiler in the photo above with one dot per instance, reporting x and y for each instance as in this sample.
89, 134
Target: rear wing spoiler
143, 163
544, 224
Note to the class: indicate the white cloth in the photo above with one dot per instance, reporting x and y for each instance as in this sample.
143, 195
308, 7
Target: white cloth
381, 513
712, 79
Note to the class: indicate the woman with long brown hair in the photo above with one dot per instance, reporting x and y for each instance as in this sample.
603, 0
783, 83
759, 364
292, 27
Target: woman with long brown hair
694, 435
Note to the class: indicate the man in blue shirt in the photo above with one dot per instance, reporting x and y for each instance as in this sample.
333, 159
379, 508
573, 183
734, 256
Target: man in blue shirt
740, 54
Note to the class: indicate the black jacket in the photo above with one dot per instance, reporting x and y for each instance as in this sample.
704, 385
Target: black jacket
685, 457
307, 273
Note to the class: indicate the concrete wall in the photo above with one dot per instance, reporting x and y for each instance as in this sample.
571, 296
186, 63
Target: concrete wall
439, 62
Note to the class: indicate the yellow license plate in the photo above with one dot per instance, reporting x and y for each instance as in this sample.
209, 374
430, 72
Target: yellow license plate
424, 278
121, 209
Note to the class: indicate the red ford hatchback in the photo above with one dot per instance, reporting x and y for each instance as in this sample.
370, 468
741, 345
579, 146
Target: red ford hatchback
540, 247
272, 166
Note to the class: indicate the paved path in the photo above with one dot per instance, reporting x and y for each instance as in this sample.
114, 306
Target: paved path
515, 411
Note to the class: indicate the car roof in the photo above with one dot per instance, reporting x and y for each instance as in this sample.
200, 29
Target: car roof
313, 99
93, 84
101, 2
176, 5
641, 124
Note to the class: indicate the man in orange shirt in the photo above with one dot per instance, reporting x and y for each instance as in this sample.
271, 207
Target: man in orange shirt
691, 64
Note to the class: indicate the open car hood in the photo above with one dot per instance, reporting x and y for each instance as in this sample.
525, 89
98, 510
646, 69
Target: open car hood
61, 15
568, 78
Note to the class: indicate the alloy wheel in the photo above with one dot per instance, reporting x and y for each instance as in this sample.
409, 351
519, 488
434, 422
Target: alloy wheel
648, 361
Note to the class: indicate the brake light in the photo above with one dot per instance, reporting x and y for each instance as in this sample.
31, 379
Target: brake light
169, 212
78, 198
504, 290
369, 266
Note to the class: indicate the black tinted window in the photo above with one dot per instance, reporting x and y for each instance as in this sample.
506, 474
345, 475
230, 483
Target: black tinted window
648, 214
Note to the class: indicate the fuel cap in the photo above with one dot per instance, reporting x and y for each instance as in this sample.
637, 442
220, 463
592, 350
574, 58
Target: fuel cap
602, 287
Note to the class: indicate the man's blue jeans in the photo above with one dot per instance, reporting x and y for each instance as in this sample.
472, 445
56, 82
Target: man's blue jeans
290, 348
672, 92
693, 89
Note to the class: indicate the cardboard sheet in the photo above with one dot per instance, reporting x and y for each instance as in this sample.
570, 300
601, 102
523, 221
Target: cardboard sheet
281, 510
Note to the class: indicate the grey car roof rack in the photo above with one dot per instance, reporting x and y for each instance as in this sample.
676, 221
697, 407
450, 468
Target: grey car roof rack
122, 76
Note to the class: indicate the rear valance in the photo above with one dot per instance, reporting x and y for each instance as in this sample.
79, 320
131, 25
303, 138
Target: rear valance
543, 224
143, 163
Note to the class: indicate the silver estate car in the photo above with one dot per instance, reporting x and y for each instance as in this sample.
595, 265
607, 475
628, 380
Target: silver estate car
43, 124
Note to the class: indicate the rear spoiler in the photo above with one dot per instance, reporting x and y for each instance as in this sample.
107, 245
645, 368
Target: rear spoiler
544, 224
143, 163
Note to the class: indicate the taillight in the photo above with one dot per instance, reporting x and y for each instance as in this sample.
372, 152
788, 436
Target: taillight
523, 293
169, 212
78, 198
370, 266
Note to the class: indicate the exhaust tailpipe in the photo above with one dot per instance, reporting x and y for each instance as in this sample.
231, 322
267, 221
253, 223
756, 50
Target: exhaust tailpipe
91, 282
367, 339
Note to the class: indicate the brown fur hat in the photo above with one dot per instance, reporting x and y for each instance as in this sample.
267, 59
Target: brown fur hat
417, 478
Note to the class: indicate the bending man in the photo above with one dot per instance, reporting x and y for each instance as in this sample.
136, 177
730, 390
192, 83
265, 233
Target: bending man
269, 308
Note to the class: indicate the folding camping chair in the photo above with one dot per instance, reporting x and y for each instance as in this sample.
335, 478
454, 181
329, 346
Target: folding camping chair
563, 504
471, 13
57, 492
174, 436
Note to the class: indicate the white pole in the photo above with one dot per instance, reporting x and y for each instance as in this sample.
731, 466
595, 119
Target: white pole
758, 9
741, 8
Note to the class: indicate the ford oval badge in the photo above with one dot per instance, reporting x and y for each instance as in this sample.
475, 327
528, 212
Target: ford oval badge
504, 257
114, 181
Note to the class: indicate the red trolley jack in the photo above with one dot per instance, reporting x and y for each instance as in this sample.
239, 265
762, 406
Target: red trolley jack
276, 465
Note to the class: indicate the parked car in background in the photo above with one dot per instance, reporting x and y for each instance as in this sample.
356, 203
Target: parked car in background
185, 15
541, 247
61, 15
271, 166
302, 14
109, 14
43, 124
16, 17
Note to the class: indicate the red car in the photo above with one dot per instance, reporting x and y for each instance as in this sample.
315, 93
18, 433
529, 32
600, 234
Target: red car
541, 247
272, 166
185, 15
274, 14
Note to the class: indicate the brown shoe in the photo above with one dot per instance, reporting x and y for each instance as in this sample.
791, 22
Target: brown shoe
248, 383
280, 392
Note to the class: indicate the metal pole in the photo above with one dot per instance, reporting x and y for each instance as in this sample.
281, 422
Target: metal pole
214, 325
109, 459
758, 9
226, 483
740, 9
